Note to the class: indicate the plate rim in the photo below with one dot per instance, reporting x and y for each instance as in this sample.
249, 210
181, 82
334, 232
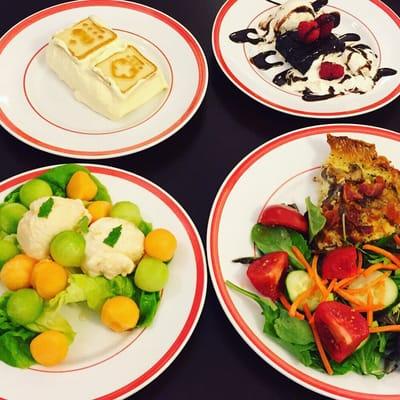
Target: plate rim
195, 312
218, 54
188, 114
215, 272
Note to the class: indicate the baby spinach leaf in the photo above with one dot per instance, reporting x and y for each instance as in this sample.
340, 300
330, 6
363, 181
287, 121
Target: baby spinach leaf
270, 239
45, 208
113, 237
292, 334
316, 221
293, 330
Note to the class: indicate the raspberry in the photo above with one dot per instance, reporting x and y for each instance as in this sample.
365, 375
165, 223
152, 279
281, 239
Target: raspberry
331, 71
308, 31
326, 23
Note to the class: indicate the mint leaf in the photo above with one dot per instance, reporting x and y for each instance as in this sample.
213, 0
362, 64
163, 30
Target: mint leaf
83, 225
112, 239
316, 221
46, 207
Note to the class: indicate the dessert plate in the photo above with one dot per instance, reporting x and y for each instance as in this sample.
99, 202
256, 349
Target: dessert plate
367, 21
39, 109
238, 203
101, 364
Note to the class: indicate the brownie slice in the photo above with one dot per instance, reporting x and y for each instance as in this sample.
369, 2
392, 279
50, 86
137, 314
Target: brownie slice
301, 55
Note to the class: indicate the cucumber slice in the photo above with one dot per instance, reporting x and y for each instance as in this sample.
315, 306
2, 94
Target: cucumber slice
297, 282
385, 293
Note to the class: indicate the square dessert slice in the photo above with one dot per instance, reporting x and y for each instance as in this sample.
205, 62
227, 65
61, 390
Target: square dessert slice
85, 37
126, 68
104, 71
301, 55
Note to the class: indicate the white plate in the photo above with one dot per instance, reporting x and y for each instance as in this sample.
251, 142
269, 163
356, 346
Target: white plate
255, 182
100, 363
39, 109
374, 21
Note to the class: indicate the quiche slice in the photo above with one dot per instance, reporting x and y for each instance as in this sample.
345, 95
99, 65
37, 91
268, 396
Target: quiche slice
360, 196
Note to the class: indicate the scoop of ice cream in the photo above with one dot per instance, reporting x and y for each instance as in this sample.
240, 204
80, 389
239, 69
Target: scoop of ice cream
35, 233
287, 17
364, 63
118, 259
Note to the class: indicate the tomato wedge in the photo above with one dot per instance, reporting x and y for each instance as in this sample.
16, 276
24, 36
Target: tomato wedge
267, 273
280, 215
340, 263
340, 328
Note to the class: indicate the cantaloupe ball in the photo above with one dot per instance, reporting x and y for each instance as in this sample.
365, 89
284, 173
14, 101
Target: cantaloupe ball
160, 244
49, 278
16, 273
120, 313
49, 348
81, 186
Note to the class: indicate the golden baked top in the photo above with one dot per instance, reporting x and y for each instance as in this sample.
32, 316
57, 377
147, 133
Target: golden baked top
360, 194
85, 37
126, 68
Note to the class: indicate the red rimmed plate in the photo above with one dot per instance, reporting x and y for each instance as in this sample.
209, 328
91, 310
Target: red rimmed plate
253, 183
105, 365
39, 109
367, 21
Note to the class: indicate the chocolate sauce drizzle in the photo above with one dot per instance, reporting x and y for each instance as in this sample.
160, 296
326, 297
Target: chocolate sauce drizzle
384, 72
274, 2
308, 95
350, 37
260, 60
243, 36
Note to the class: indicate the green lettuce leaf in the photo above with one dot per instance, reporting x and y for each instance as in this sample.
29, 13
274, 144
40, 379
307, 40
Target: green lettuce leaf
58, 179
14, 339
270, 239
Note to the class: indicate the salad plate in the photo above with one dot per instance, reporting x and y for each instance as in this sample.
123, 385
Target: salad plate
256, 184
102, 363
39, 109
263, 48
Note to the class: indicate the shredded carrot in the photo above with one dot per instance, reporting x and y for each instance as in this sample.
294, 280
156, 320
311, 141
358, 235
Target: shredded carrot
300, 300
376, 267
301, 259
370, 312
397, 239
359, 262
370, 285
286, 304
387, 328
345, 282
382, 252
318, 342
372, 307
329, 289
349, 297
316, 277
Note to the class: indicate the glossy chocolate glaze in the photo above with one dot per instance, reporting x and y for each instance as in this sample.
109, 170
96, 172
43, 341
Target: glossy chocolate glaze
242, 36
260, 60
382, 72
281, 78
